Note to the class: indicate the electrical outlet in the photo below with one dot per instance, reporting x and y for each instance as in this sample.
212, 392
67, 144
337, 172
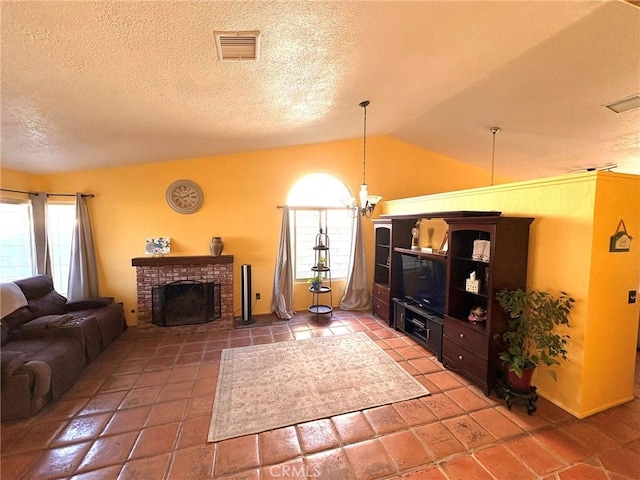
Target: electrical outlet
257, 296
632, 296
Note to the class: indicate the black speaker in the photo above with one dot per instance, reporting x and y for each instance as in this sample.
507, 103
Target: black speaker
246, 295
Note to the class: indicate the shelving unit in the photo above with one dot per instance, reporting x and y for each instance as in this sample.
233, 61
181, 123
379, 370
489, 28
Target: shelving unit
426, 328
472, 348
382, 269
322, 267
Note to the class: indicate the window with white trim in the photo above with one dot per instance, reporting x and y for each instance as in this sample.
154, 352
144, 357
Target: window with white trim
315, 202
17, 246
16, 241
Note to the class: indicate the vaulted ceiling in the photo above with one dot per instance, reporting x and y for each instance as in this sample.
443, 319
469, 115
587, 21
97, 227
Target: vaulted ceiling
97, 84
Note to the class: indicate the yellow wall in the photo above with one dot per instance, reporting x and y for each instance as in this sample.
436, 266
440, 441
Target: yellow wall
241, 194
611, 330
574, 217
15, 180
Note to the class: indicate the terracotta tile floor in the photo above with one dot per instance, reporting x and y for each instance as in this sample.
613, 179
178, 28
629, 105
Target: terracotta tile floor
142, 411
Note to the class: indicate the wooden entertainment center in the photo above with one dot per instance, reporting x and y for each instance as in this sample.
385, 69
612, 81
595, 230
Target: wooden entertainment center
432, 296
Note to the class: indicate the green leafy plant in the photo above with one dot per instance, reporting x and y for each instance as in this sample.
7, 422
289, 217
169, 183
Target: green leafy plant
315, 279
531, 339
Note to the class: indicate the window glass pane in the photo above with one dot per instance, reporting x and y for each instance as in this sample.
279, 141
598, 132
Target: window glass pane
16, 242
305, 228
339, 229
337, 224
60, 223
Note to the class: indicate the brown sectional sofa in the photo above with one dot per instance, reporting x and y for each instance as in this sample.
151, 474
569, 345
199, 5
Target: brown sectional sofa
47, 341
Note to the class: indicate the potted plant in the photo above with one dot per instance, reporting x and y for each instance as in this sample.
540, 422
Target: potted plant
532, 338
315, 281
322, 262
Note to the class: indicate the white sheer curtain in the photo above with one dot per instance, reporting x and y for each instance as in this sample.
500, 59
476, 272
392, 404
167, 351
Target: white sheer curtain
83, 271
356, 291
282, 297
39, 212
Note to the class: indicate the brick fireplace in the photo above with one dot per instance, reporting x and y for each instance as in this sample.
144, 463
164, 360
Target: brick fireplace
155, 271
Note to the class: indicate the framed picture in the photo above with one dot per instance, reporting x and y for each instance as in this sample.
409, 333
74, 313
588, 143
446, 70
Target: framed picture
158, 246
444, 246
621, 240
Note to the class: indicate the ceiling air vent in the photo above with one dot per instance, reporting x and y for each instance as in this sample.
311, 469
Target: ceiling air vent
237, 45
625, 104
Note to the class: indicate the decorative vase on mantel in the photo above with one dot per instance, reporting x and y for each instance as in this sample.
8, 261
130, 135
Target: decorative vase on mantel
216, 246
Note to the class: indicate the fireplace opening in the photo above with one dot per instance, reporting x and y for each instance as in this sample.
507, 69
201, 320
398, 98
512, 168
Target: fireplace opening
185, 302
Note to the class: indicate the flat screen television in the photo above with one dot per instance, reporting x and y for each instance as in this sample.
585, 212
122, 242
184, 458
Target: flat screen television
424, 281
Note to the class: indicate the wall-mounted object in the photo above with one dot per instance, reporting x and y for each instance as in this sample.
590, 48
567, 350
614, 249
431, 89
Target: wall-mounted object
621, 240
184, 196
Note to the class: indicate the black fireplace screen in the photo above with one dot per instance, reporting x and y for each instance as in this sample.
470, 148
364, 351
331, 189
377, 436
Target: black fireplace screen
185, 302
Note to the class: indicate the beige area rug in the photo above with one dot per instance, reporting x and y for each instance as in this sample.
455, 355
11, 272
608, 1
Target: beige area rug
263, 387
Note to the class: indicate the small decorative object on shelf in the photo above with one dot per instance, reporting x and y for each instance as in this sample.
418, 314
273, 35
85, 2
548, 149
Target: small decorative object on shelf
216, 246
316, 282
444, 246
478, 314
472, 284
481, 250
158, 246
415, 236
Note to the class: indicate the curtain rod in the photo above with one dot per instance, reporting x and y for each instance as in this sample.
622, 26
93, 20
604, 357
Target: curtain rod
91, 195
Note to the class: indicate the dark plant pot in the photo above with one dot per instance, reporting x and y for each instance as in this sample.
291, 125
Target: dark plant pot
523, 383
315, 285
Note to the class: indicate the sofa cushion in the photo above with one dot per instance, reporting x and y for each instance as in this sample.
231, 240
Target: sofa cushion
46, 321
110, 321
88, 303
42, 298
17, 318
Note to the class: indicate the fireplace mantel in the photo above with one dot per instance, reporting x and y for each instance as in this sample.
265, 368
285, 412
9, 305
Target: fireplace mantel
162, 261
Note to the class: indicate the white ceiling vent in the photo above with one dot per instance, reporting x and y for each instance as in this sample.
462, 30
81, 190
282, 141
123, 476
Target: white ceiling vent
625, 104
237, 45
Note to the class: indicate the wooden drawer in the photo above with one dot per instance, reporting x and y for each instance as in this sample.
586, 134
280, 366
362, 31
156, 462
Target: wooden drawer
462, 359
381, 292
466, 337
381, 308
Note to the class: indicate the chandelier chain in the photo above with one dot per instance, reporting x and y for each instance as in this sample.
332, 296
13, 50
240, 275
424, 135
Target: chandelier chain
364, 146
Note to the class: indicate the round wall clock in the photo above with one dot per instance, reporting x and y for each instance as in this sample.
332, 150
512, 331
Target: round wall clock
184, 196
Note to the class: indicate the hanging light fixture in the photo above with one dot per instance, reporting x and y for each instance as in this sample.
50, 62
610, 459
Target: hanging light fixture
494, 130
367, 202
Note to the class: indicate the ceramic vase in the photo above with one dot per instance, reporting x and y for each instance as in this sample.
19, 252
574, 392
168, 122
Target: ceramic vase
216, 246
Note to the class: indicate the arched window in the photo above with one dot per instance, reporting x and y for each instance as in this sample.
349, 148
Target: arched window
315, 202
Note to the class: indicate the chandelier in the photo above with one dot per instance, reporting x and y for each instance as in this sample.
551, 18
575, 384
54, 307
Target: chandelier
367, 202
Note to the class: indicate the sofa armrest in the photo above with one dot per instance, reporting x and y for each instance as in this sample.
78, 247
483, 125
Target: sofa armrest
88, 303
9, 363
41, 374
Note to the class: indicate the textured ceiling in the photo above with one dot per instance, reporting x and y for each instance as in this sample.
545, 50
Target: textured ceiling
97, 84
